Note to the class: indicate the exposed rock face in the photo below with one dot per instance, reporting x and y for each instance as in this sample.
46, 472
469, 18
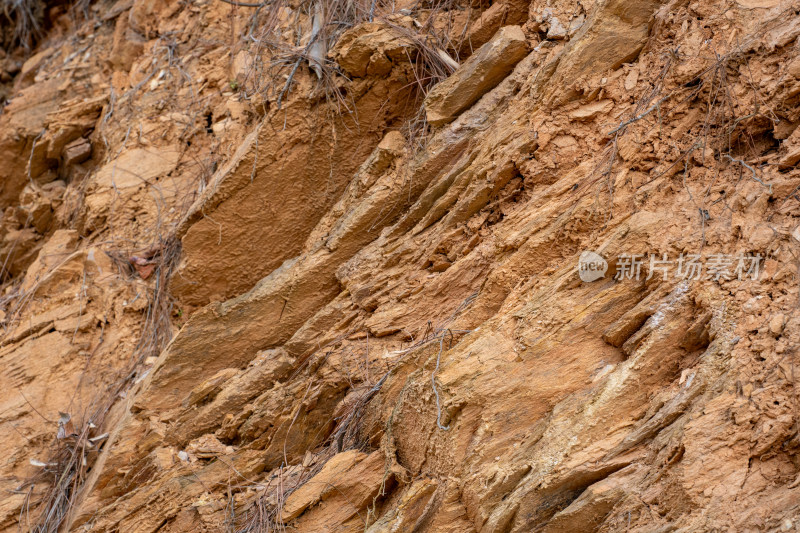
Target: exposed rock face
224, 314
263, 203
481, 72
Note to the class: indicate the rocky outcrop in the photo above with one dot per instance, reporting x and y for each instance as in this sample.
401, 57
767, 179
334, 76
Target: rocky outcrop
302, 306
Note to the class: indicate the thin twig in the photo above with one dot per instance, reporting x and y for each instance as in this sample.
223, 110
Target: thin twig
433, 384
243, 4
751, 169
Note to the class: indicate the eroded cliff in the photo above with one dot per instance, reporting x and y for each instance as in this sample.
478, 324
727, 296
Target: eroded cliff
324, 266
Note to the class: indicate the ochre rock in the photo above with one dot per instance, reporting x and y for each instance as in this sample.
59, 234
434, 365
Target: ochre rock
479, 74
237, 297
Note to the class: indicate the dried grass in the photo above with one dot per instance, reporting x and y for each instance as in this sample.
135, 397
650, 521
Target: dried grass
283, 36
69, 459
73, 451
21, 22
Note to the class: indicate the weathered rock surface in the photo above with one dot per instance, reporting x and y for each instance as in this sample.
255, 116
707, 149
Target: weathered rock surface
223, 314
284, 176
499, 14
480, 73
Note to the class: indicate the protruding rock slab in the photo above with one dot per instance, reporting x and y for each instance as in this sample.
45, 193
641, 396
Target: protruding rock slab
478, 75
347, 483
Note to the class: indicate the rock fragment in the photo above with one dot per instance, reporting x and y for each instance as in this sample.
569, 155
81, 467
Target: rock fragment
77, 152
557, 30
776, 324
631, 79
370, 50
483, 71
590, 110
